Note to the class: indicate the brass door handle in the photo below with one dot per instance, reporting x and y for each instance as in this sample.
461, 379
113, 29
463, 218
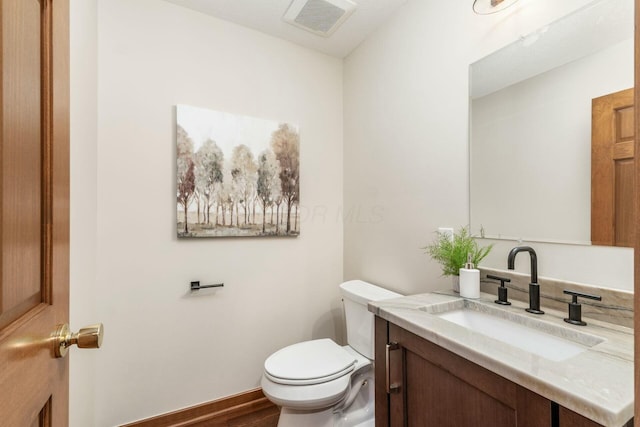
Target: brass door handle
87, 337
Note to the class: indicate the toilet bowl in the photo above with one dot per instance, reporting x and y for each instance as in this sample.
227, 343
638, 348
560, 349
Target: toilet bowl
319, 383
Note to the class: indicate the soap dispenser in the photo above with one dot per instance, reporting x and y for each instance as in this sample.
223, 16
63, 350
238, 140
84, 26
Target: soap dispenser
469, 280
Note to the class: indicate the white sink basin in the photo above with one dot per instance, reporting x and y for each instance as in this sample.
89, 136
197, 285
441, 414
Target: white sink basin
535, 336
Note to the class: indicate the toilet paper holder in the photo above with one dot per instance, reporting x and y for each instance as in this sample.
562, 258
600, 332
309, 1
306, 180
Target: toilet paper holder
195, 286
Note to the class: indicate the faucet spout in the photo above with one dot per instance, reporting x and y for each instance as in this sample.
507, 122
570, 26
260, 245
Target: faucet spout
511, 260
534, 287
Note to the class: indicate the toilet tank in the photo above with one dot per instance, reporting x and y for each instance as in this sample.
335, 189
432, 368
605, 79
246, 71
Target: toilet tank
356, 294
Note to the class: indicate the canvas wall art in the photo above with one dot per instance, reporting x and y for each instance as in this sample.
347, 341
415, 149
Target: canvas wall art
236, 175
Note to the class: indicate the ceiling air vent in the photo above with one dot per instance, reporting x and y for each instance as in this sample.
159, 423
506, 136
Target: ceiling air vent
321, 17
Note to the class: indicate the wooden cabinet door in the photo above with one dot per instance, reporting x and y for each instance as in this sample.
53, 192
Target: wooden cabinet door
381, 337
613, 169
571, 419
435, 397
34, 216
438, 388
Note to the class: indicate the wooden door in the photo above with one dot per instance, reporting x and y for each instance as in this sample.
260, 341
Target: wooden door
34, 216
613, 170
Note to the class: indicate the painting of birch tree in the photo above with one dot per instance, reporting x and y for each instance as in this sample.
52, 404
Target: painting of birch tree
236, 175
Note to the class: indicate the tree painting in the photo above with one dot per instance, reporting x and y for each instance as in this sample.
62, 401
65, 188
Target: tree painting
186, 177
236, 175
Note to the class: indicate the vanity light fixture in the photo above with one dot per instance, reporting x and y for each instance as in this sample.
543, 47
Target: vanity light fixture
487, 7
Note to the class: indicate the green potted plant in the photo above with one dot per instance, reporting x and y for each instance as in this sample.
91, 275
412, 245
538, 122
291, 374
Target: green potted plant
451, 251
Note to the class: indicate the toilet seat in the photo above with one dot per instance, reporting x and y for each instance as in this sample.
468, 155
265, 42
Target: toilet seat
318, 392
305, 397
309, 363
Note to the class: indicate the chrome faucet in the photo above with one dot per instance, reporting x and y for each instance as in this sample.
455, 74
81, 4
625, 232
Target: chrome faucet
534, 287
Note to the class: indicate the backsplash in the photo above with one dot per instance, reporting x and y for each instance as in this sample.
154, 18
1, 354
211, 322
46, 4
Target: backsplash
616, 306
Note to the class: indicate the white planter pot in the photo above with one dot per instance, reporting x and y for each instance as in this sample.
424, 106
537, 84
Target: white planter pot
455, 282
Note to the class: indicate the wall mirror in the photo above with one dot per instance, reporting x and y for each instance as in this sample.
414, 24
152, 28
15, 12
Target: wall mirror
531, 126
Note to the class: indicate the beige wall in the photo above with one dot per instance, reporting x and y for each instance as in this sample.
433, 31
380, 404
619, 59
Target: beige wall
164, 348
406, 144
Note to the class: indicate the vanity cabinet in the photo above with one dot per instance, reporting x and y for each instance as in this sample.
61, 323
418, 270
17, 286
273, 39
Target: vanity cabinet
431, 386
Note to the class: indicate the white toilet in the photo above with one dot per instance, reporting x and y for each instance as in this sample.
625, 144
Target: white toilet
321, 384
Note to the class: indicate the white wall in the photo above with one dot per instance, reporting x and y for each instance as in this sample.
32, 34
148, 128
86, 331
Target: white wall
406, 141
165, 349
607, 267
83, 215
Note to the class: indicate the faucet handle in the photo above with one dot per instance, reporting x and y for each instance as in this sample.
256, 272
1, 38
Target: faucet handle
502, 290
575, 308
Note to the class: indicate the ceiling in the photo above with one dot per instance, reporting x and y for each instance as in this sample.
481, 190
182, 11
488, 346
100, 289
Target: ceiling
266, 16
588, 30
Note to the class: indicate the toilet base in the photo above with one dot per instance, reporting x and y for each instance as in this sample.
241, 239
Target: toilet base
325, 418
295, 418
359, 414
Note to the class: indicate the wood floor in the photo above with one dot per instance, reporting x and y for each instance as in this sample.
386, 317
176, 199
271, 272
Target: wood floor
249, 409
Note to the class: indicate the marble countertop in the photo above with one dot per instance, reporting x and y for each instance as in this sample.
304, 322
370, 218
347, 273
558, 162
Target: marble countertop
597, 383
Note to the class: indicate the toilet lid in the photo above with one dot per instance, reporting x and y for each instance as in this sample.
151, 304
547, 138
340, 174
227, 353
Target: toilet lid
309, 362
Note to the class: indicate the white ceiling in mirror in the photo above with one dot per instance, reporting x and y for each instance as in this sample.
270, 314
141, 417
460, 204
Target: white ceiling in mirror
597, 26
267, 16
487, 7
